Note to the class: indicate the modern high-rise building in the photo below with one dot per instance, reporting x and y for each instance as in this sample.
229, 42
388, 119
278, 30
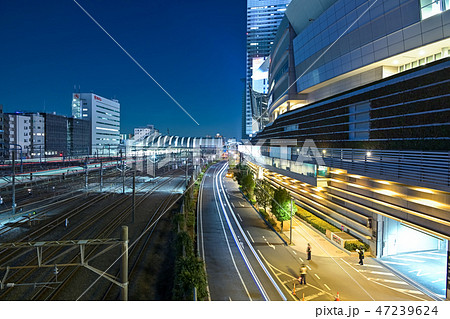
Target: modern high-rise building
263, 18
104, 115
359, 95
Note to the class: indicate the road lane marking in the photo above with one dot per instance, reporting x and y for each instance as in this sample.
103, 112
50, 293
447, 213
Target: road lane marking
300, 259
277, 271
390, 281
407, 259
239, 216
308, 267
327, 286
417, 292
294, 252
310, 297
394, 263
317, 276
232, 204
228, 245
438, 280
381, 284
243, 254
433, 253
376, 272
251, 238
368, 265
426, 257
419, 272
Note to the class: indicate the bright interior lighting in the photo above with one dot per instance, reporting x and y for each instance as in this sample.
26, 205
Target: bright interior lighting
428, 202
355, 176
424, 190
356, 185
386, 192
369, 153
384, 182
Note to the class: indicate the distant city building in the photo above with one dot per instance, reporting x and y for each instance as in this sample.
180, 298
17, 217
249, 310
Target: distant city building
78, 137
263, 18
3, 146
104, 115
55, 135
19, 134
144, 130
37, 121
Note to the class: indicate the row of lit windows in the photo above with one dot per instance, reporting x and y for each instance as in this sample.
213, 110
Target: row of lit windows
420, 62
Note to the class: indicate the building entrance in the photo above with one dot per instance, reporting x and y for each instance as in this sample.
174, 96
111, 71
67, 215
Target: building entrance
420, 256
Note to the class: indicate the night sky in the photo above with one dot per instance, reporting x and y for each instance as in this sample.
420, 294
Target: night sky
194, 48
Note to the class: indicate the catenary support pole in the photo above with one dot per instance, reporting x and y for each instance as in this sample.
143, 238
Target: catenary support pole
124, 269
133, 198
13, 182
101, 175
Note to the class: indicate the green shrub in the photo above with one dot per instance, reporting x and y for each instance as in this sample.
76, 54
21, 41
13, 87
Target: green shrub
353, 245
315, 221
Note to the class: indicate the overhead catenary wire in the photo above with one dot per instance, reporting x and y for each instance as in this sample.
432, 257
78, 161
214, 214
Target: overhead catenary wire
136, 62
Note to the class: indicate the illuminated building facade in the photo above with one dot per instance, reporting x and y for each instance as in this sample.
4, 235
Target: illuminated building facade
360, 126
263, 18
104, 115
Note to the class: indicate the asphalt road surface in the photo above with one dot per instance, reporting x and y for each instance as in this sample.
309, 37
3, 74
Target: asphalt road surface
246, 260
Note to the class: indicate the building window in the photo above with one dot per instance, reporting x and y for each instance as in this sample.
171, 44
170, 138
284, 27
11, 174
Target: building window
430, 8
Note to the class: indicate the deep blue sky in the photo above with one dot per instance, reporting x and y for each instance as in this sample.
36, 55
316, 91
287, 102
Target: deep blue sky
194, 48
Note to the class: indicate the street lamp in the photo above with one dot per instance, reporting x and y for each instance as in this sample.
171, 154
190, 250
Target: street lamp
290, 231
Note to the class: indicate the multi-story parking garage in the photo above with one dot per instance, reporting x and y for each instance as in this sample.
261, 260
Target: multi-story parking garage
359, 102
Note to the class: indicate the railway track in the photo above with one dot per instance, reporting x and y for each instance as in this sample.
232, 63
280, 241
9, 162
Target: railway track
51, 254
47, 204
139, 246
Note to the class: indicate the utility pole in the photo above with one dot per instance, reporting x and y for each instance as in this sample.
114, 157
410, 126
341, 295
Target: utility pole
86, 179
123, 172
290, 231
124, 269
187, 160
14, 183
101, 175
133, 198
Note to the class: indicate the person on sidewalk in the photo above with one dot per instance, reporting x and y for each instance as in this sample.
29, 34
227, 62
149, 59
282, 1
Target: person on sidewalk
303, 275
360, 252
308, 252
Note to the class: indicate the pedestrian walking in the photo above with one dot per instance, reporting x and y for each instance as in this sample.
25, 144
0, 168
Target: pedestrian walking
303, 275
308, 251
360, 252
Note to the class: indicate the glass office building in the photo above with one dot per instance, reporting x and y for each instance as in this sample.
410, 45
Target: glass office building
263, 18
